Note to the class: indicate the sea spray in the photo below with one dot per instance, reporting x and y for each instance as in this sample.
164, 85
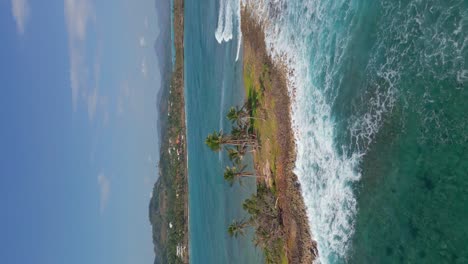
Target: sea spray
414, 173
311, 37
352, 63
239, 30
229, 12
220, 30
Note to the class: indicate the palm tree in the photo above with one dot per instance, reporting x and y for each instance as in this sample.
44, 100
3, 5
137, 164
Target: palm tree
216, 139
244, 132
234, 155
236, 228
250, 205
236, 114
239, 132
233, 173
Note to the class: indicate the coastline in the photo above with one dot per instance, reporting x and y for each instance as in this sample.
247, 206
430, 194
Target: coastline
168, 209
277, 156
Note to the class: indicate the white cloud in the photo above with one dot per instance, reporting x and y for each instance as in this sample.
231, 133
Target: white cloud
78, 14
144, 68
21, 11
104, 189
142, 42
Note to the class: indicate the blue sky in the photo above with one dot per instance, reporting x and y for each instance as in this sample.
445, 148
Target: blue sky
78, 133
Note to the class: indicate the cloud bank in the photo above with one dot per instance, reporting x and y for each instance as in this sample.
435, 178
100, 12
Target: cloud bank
142, 42
104, 189
78, 14
20, 10
144, 68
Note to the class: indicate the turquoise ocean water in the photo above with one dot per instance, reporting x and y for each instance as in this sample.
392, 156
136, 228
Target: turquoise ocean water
381, 121
212, 84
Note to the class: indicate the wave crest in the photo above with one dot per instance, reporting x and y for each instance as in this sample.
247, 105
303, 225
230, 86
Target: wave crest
229, 11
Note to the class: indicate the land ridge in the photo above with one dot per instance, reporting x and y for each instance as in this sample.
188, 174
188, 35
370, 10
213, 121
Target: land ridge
277, 154
168, 209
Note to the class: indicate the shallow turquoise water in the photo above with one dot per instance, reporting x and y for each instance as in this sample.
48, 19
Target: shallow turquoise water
212, 84
381, 119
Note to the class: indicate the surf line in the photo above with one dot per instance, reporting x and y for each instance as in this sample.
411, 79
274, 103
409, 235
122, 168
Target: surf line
229, 11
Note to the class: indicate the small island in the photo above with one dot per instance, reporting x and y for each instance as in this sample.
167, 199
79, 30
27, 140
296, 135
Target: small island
261, 127
265, 84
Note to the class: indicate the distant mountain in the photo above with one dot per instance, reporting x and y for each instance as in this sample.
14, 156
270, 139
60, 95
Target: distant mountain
162, 45
163, 49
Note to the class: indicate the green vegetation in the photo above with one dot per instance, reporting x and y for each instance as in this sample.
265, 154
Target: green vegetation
258, 118
168, 208
265, 217
234, 173
257, 83
237, 228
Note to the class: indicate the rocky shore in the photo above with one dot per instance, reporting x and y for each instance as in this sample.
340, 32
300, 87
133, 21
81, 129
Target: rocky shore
277, 155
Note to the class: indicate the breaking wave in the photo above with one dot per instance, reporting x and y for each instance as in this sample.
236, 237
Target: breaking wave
315, 39
229, 13
300, 35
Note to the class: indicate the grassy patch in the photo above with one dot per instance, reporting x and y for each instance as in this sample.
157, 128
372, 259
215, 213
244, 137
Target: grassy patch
258, 84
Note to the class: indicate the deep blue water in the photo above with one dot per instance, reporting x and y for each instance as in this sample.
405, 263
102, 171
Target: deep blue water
212, 84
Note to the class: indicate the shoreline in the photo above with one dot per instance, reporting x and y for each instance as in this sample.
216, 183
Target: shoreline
169, 209
277, 157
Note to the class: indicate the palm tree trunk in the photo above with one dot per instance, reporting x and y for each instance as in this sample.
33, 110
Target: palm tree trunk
239, 142
249, 174
255, 118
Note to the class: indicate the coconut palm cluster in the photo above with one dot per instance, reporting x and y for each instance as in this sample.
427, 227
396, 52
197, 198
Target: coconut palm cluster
240, 142
264, 214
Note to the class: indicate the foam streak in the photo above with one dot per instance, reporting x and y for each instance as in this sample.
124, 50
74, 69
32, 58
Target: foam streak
229, 11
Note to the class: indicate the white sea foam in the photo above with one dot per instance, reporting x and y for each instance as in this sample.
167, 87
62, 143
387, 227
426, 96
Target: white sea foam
325, 175
326, 171
221, 18
224, 29
239, 30
462, 76
311, 37
229, 11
